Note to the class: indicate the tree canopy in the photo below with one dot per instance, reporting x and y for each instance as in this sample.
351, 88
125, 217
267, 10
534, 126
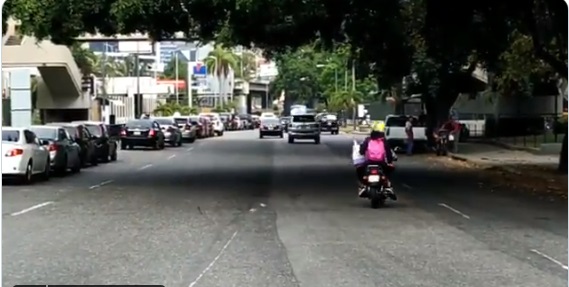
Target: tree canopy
435, 44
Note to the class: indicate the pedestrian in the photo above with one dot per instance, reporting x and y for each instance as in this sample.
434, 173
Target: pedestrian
409, 132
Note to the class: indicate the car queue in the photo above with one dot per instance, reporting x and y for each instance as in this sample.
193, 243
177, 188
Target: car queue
39, 151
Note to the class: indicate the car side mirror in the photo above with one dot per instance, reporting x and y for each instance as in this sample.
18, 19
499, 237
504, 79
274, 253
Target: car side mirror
44, 142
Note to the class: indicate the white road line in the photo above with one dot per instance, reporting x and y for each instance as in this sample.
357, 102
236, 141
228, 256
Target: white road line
549, 258
101, 184
190, 149
214, 260
145, 167
454, 210
32, 208
172, 156
406, 186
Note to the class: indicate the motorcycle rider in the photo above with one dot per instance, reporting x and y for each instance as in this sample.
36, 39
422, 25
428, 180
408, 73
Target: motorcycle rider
376, 138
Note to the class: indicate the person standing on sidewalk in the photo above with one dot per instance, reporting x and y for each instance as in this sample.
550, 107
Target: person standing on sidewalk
409, 132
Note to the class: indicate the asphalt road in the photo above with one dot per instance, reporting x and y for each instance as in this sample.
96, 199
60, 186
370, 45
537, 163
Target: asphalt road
240, 211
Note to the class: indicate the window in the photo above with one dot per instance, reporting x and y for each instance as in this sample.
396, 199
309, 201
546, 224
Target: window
30, 137
61, 134
138, 124
45, 133
94, 130
10, 136
303, 119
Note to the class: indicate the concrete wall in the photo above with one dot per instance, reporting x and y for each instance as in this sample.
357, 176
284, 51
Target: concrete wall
508, 106
46, 100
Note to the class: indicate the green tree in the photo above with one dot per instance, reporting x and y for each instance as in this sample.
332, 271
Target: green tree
170, 69
246, 65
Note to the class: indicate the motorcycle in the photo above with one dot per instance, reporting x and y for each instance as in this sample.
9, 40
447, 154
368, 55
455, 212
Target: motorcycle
376, 183
442, 143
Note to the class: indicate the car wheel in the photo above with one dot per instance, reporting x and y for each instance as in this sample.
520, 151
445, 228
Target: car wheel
46, 171
281, 135
192, 139
28, 176
123, 145
162, 145
260, 136
317, 140
106, 157
290, 140
114, 156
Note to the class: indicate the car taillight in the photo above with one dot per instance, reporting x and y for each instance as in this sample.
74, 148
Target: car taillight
373, 171
14, 152
52, 147
123, 133
151, 133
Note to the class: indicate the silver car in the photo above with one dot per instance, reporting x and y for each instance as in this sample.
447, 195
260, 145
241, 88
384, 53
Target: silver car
188, 126
304, 127
172, 133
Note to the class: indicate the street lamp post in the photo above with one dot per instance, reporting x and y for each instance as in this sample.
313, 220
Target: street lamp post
177, 78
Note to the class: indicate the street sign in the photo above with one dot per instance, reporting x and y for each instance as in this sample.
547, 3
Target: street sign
199, 70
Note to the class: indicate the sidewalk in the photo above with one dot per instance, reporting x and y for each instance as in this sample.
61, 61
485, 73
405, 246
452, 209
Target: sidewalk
515, 168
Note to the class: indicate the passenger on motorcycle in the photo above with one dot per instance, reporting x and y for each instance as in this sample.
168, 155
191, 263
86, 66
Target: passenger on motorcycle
376, 152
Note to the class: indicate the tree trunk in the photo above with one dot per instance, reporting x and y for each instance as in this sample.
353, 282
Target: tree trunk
437, 109
563, 156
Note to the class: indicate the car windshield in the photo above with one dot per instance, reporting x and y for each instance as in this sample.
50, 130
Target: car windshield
94, 130
10, 136
396, 122
139, 124
45, 133
303, 119
164, 122
71, 130
181, 120
270, 122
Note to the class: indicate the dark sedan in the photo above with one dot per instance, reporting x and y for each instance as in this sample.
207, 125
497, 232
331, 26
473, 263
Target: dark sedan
84, 139
142, 132
105, 145
270, 127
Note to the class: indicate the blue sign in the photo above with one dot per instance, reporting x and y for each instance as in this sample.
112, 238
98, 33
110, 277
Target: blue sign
200, 70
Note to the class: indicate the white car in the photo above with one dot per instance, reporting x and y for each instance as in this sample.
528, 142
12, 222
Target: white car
22, 155
218, 126
268, 115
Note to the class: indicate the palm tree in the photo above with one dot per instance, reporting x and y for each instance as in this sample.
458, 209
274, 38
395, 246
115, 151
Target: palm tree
163, 109
221, 61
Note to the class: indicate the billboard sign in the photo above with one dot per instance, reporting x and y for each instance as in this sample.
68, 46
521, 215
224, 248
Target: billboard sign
199, 70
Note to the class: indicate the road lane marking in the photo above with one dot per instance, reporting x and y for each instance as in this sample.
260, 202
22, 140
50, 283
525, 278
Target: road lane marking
101, 184
406, 186
252, 210
145, 167
454, 210
171, 157
214, 260
32, 208
190, 149
262, 204
549, 258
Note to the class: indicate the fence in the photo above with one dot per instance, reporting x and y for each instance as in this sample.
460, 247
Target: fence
522, 131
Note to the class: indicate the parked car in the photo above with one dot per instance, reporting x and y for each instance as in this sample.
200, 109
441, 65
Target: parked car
105, 145
189, 130
64, 152
247, 121
218, 126
142, 132
84, 139
210, 132
23, 155
172, 133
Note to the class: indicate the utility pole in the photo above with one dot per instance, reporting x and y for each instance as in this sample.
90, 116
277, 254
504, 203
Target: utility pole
354, 109
137, 66
177, 78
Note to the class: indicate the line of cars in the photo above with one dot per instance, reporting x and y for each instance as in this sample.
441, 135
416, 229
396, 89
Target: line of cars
298, 126
40, 150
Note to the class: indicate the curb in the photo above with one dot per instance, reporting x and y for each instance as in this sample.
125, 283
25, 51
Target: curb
484, 165
506, 146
